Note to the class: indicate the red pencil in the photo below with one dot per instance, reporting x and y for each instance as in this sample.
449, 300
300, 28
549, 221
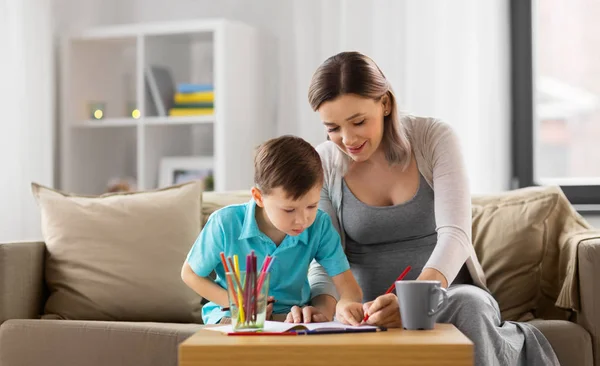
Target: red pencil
391, 288
262, 333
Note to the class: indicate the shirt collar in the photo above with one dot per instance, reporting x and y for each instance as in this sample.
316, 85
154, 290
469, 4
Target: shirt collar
250, 227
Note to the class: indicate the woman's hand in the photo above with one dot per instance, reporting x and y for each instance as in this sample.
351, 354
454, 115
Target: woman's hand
349, 312
270, 308
384, 311
307, 314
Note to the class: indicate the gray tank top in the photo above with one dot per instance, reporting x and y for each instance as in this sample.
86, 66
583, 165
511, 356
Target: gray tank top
382, 240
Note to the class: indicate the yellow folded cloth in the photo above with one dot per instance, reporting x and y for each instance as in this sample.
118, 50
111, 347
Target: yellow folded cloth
198, 97
178, 112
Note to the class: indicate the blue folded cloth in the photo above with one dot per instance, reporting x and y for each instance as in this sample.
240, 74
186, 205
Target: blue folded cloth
193, 88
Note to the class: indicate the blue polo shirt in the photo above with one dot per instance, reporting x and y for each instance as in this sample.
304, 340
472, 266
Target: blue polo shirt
233, 230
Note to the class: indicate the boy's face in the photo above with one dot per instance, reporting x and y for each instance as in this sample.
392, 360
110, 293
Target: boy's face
289, 216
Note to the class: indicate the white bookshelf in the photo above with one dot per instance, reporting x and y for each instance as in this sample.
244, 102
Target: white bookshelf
107, 65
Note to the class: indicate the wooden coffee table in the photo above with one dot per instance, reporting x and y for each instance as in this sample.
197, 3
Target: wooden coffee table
444, 345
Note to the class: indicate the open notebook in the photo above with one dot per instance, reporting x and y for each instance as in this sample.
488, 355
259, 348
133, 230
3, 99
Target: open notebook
326, 327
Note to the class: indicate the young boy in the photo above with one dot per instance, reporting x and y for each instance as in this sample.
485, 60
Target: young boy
281, 220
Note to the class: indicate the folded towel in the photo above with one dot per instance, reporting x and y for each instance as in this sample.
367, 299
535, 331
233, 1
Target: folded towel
194, 105
179, 112
193, 88
200, 97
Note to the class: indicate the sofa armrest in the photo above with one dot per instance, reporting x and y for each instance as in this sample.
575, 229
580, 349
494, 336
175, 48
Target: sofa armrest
588, 260
21, 280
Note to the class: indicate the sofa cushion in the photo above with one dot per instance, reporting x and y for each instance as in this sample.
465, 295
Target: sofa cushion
212, 201
571, 343
91, 343
520, 240
119, 256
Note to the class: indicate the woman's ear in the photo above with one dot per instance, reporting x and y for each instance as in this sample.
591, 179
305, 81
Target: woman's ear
257, 196
386, 104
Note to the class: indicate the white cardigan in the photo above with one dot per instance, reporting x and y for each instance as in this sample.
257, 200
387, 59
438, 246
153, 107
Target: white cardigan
440, 161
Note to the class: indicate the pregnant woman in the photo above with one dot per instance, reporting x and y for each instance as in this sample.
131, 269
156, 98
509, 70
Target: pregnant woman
397, 191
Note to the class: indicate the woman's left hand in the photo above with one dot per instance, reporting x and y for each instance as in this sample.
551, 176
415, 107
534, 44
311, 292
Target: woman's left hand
383, 311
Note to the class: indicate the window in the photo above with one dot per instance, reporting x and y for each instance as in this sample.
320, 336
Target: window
556, 96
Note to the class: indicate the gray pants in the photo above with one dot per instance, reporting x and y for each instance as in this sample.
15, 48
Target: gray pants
477, 315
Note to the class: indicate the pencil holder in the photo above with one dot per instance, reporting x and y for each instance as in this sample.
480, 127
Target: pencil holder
248, 300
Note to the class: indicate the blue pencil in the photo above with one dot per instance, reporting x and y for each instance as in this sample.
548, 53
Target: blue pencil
341, 330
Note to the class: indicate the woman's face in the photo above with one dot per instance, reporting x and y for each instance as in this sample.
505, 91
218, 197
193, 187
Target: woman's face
355, 124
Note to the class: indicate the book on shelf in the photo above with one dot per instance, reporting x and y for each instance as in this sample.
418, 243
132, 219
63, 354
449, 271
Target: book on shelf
198, 97
160, 83
180, 112
194, 105
193, 88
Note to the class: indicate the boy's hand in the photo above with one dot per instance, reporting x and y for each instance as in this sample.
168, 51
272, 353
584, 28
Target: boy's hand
270, 308
306, 314
349, 312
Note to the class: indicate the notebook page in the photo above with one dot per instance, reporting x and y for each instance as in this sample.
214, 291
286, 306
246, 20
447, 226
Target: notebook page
279, 327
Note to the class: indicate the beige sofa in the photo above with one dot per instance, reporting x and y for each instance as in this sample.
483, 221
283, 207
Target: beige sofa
537, 253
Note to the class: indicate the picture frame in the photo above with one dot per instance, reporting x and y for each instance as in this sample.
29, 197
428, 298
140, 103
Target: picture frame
181, 169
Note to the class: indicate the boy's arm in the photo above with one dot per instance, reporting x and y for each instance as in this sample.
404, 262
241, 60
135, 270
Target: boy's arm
326, 304
349, 309
348, 288
204, 258
333, 259
204, 286
322, 289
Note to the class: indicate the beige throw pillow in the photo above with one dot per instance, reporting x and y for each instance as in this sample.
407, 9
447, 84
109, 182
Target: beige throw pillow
119, 256
212, 201
517, 236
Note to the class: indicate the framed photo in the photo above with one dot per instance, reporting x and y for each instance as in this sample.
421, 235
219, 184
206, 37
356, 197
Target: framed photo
181, 169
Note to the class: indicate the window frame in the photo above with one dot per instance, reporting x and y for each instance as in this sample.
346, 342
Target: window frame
585, 197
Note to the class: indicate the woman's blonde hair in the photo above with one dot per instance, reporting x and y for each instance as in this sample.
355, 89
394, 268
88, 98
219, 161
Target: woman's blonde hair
355, 73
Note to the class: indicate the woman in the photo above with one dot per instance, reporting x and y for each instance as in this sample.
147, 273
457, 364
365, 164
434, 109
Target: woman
397, 190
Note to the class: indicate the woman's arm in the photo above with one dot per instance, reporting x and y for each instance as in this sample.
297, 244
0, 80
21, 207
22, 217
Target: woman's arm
452, 205
432, 274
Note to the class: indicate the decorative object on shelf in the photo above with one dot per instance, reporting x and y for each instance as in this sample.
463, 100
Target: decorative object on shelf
97, 110
132, 110
126, 184
161, 86
193, 100
181, 169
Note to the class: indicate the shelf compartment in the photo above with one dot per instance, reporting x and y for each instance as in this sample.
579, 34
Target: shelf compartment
178, 58
174, 140
172, 121
102, 77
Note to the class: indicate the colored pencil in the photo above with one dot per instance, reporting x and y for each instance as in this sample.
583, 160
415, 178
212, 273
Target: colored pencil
229, 283
268, 302
391, 288
262, 334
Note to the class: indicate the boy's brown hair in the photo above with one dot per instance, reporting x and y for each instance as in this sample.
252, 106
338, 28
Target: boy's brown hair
288, 162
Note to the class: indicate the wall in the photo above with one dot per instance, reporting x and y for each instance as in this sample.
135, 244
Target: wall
445, 59
26, 113
448, 60
594, 220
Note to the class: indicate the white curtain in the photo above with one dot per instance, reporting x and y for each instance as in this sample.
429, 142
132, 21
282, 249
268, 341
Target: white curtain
445, 59
26, 113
